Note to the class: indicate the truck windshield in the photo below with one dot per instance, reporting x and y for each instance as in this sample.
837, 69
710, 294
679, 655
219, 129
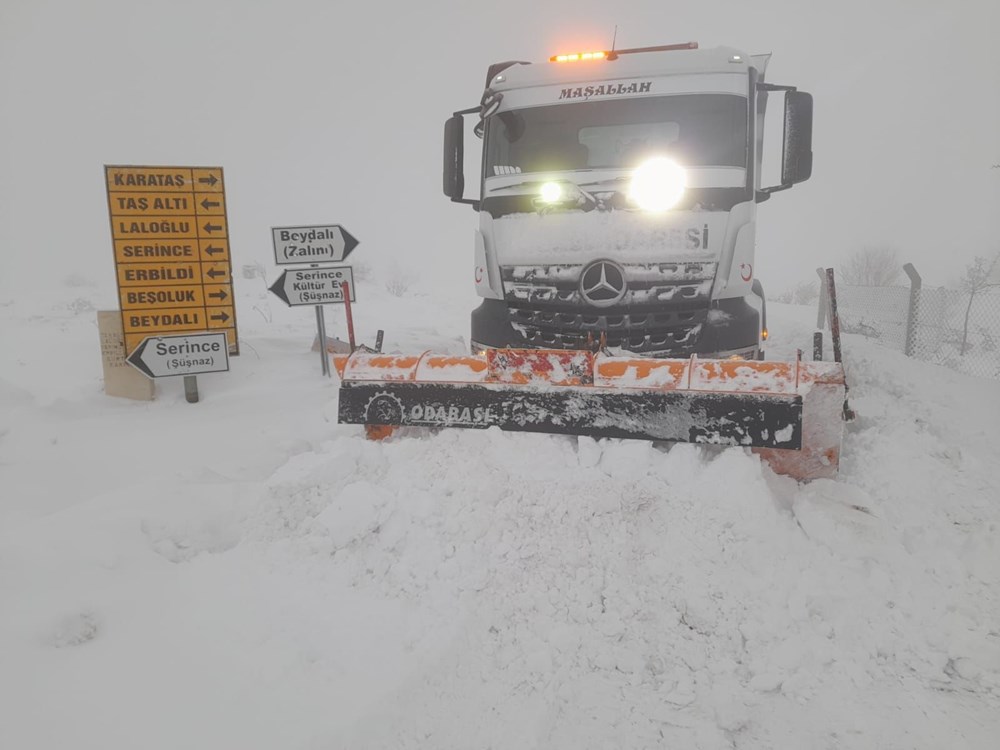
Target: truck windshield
697, 130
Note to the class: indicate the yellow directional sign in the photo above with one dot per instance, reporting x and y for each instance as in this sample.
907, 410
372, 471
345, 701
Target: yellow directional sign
165, 204
141, 297
174, 319
171, 241
167, 179
143, 274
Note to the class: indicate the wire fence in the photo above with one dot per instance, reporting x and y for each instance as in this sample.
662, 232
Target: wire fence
878, 312
950, 327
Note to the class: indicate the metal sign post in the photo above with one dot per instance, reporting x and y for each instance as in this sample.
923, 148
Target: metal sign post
317, 285
321, 332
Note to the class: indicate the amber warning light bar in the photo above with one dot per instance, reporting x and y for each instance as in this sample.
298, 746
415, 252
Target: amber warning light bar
613, 54
578, 56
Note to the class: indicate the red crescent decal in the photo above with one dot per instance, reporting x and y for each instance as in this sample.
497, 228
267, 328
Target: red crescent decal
479, 274
748, 273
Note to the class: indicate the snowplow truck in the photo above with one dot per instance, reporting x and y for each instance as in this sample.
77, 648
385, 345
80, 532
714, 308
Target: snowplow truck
615, 258
618, 196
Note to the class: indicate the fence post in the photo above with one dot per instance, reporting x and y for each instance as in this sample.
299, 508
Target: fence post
823, 303
831, 288
913, 312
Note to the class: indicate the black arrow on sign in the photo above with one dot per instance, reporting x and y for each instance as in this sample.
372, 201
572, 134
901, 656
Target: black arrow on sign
213, 273
210, 180
135, 359
221, 294
212, 250
278, 287
213, 228
221, 316
207, 204
349, 241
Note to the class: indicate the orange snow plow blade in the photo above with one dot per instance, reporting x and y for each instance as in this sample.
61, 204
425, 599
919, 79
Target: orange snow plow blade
790, 413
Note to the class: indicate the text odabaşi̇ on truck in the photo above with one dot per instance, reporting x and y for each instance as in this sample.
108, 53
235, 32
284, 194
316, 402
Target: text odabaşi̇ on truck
618, 199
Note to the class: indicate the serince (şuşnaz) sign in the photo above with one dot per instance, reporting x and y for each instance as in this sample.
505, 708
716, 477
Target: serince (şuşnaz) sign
194, 354
314, 286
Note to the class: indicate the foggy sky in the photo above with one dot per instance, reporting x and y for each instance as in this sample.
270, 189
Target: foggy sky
325, 112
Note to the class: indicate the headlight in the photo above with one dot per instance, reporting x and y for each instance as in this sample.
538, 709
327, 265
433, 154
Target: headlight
658, 184
551, 192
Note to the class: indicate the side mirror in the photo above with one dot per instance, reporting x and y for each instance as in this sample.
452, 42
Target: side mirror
797, 157
454, 157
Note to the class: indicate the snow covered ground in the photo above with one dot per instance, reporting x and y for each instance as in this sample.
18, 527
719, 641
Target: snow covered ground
245, 573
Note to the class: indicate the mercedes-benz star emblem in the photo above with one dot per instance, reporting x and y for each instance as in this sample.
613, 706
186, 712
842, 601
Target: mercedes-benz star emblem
602, 283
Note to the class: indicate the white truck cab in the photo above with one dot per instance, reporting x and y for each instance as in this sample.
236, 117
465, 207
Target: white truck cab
617, 200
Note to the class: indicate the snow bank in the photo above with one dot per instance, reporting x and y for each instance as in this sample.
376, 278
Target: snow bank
246, 573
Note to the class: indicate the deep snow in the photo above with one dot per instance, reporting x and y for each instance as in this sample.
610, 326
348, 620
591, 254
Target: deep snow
245, 573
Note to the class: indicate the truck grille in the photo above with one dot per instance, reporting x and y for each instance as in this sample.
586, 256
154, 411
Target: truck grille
663, 309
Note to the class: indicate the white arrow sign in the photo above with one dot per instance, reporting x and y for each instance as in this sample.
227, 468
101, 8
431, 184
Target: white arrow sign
193, 354
329, 243
314, 286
